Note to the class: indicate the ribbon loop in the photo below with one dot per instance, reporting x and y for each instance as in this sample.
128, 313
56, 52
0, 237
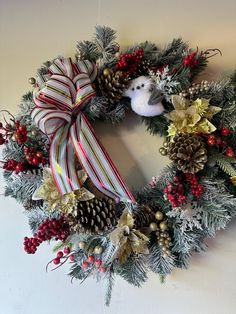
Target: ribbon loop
59, 97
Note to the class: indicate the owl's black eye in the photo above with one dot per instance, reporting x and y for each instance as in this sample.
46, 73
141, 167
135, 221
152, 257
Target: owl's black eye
142, 85
138, 87
132, 88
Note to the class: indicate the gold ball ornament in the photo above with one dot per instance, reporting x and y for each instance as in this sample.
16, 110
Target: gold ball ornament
163, 226
165, 144
81, 245
32, 80
233, 180
33, 132
163, 151
106, 72
153, 226
159, 215
98, 250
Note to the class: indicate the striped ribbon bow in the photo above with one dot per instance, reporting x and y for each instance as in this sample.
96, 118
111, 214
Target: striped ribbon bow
59, 97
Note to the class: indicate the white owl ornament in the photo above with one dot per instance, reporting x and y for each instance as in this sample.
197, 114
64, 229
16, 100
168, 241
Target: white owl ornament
145, 98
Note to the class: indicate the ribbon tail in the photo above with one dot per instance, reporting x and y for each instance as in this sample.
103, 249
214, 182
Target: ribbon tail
62, 161
96, 161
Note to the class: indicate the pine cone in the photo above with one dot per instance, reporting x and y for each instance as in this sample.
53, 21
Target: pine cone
188, 152
94, 216
113, 84
143, 216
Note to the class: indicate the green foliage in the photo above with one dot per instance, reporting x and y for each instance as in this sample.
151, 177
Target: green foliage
76, 272
103, 46
109, 281
172, 53
225, 163
88, 49
187, 241
158, 263
156, 125
219, 206
22, 186
133, 270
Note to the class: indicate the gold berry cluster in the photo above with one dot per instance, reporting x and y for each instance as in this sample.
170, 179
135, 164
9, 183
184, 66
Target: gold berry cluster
160, 227
195, 89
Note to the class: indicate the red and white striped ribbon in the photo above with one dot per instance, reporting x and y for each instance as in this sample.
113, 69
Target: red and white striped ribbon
57, 96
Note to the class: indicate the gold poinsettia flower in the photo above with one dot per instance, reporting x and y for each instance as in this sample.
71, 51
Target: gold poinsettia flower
64, 203
191, 116
128, 240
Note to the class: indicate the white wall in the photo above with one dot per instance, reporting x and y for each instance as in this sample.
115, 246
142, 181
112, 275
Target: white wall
34, 31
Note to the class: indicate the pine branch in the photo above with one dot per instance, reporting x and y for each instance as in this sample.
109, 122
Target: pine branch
187, 241
225, 163
109, 283
22, 186
133, 271
105, 41
77, 272
156, 125
159, 264
87, 50
219, 206
182, 260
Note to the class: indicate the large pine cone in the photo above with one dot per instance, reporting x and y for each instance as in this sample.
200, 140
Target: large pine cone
94, 216
188, 152
113, 84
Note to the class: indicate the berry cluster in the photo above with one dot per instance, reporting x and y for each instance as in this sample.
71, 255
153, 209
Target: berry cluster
20, 133
50, 228
191, 60
174, 192
13, 165
91, 261
130, 62
195, 186
214, 140
65, 255
34, 157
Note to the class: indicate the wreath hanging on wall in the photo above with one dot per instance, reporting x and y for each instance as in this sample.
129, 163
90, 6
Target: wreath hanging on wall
55, 165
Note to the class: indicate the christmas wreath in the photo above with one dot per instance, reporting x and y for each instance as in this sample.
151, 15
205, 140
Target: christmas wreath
55, 165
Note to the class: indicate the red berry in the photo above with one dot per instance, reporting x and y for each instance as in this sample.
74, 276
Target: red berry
85, 265
225, 131
90, 259
211, 141
56, 261
36, 161
102, 269
39, 154
59, 254
72, 257
66, 250
97, 263
229, 152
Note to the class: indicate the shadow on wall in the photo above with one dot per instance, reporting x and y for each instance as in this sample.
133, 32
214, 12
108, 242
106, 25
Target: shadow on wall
132, 149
